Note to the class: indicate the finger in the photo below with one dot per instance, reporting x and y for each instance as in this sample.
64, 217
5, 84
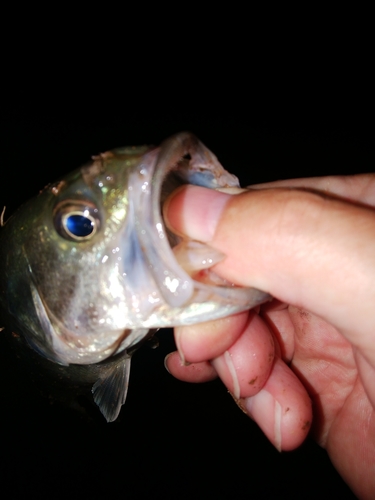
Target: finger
367, 373
194, 372
208, 340
313, 252
282, 409
279, 322
246, 365
356, 187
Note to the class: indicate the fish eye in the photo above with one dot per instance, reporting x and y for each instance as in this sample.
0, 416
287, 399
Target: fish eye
75, 220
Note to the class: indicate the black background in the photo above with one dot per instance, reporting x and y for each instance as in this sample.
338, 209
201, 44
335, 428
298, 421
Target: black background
172, 440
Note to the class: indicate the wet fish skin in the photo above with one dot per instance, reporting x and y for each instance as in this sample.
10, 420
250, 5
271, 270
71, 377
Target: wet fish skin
89, 300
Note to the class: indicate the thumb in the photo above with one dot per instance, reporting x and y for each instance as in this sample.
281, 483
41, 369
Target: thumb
305, 249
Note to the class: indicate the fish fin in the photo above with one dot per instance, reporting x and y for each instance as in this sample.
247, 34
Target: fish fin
110, 390
42, 345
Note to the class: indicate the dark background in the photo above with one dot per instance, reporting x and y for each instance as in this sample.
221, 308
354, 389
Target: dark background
172, 440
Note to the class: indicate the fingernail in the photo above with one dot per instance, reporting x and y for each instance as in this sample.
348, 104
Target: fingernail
195, 211
193, 255
278, 410
240, 403
165, 362
177, 338
261, 405
233, 374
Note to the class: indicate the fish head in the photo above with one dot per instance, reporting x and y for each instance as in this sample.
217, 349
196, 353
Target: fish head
89, 266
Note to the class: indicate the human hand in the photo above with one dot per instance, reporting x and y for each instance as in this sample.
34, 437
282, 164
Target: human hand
313, 249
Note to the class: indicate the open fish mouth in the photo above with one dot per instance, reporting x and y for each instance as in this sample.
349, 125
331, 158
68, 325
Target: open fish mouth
175, 265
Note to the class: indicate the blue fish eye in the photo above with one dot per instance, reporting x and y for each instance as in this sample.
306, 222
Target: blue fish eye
79, 225
76, 221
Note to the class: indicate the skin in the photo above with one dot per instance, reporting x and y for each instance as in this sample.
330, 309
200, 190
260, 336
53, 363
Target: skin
304, 362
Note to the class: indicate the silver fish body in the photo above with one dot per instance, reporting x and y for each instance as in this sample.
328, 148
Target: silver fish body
87, 266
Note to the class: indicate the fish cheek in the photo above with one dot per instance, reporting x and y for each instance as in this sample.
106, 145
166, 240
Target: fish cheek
52, 274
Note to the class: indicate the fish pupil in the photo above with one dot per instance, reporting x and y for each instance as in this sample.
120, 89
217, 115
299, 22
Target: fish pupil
79, 225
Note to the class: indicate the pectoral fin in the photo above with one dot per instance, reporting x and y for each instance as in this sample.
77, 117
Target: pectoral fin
110, 390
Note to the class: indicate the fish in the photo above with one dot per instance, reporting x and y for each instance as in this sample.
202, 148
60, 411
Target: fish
89, 271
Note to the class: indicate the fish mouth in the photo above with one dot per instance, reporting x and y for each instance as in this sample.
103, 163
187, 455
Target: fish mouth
183, 159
